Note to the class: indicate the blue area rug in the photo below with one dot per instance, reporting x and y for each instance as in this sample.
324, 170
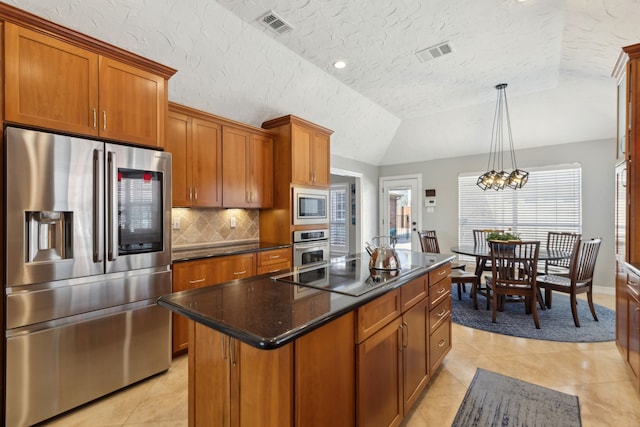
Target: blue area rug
556, 324
497, 400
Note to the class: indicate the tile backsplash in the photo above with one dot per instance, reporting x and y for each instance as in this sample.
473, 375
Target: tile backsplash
201, 227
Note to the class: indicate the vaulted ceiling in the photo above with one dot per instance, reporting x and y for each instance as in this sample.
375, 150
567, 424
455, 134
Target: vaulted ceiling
386, 106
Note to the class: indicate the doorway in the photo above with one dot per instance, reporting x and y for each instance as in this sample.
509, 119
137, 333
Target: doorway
346, 224
400, 214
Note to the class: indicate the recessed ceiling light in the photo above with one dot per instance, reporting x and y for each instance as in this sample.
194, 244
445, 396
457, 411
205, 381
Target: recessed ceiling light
339, 64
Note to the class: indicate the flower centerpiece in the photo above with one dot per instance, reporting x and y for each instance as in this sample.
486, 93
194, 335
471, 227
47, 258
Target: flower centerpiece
505, 237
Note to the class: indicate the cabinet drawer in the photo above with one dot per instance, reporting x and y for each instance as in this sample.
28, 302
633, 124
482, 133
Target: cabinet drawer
439, 274
234, 267
633, 284
273, 268
440, 314
439, 344
439, 292
276, 256
374, 315
412, 292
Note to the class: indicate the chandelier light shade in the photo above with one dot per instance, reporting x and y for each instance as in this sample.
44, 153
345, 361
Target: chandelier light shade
492, 179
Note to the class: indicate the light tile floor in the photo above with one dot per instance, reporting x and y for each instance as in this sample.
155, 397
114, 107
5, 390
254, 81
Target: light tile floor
595, 372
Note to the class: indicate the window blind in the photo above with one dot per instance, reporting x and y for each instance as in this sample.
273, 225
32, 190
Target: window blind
338, 218
550, 201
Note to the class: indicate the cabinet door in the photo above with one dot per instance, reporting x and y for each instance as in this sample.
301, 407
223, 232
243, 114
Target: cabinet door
415, 351
178, 144
260, 170
379, 378
188, 275
133, 104
209, 390
320, 169
234, 169
301, 139
49, 83
634, 337
206, 160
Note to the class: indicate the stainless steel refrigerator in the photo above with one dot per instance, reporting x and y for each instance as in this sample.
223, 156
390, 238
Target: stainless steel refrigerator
88, 251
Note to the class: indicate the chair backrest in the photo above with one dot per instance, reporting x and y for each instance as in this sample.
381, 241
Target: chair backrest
584, 261
429, 241
514, 263
480, 236
560, 241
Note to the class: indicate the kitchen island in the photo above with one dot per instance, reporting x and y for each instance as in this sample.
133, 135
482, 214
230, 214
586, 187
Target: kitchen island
289, 352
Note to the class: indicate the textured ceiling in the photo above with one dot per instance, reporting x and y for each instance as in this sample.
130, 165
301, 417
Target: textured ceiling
386, 106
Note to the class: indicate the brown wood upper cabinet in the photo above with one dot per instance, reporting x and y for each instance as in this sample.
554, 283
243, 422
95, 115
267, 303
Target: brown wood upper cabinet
195, 144
310, 156
302, 151
247, 169
53, 84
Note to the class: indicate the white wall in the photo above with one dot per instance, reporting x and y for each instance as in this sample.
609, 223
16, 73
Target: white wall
367, 220
598, 182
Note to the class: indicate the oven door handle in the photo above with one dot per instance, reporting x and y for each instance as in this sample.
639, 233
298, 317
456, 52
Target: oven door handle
310, 245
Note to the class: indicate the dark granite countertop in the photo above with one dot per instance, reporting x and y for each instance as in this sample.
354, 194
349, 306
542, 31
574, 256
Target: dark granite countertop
267, 313
188, 254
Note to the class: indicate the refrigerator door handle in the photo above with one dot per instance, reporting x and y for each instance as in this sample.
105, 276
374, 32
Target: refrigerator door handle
98, 235
112, 213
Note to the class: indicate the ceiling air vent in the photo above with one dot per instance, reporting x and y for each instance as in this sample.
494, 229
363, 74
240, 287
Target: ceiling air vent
275, 23
434, 52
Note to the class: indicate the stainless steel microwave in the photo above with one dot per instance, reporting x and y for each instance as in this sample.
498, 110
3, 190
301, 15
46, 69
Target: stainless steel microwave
310, 206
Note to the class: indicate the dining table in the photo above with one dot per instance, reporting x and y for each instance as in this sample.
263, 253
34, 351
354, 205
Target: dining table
482, 255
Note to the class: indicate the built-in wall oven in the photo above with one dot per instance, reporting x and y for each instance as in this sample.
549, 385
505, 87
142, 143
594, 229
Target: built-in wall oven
310, 206
310, 247
88, 252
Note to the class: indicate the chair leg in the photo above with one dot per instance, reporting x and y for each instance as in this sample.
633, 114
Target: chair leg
593, 309
534, 309
489, 294
460, 285
547, 297
474, 296
574, 310
495, 305
540, 299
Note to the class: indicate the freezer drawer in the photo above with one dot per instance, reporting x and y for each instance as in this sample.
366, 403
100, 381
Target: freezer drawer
53, 370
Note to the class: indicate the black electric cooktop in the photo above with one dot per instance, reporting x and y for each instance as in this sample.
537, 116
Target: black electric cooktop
351, 275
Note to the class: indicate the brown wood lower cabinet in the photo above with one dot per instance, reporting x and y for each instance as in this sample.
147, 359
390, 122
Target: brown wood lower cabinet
204, 272
365, 368
393, 364
237, 384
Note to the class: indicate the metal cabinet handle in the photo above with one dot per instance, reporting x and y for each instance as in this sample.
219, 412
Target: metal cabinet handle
98, 243
112, 245
274, 256
441, 343
441, 290
191, 282
232, 347
104, 119
442, 273
95, 119
224, 350
405, 334
237, 273
442, 313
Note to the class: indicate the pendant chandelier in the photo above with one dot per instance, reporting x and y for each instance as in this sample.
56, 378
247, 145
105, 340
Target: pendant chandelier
501, 125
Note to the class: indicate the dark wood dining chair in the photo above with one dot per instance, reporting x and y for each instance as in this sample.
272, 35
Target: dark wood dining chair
514, 268
429, 243
579, 280
560, 241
